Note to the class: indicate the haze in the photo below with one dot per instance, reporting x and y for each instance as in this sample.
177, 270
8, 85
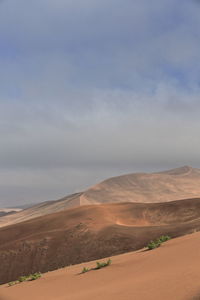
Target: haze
92, 89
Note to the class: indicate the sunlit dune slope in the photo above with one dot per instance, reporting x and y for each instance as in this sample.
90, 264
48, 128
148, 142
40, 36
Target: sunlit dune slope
42, 209
90, 232
169, 272
176, 184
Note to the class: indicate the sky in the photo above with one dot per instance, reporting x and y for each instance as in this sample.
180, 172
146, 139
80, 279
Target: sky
93, 89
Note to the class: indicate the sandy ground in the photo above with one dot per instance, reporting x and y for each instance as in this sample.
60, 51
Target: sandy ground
90, 232
171, 272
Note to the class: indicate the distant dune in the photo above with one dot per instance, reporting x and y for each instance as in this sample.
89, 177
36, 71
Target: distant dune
90, 232
8, 211
176, 184
169, 272
42, 209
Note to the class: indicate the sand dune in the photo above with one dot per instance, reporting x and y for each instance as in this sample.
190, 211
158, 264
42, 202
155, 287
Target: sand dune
176, 184
90, 232
8, 211
41, 209
169, 272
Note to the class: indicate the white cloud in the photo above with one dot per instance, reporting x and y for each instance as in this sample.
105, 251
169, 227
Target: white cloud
90, 89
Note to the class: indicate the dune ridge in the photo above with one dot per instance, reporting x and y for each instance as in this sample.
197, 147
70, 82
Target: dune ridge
171, 185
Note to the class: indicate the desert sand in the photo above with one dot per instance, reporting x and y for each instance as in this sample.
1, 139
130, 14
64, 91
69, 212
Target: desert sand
176, 184
41, 209
90, 232
169, 272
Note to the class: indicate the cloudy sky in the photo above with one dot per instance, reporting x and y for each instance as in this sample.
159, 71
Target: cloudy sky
92, 89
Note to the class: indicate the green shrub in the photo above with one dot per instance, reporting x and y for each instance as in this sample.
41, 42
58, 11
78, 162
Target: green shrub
164, 238
13, 283
35, 276
153, 244
26, 278
99, 266
22, 278
85, 270
103, 264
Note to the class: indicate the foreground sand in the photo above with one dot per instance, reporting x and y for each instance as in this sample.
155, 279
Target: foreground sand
171, 272
90, 232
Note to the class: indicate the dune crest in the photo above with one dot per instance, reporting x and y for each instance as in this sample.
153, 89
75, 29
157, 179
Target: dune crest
171, 185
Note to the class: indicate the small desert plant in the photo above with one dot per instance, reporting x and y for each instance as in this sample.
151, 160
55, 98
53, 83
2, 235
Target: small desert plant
23, 278
98, 266
13, 283
153, 244
34, 276
85, 270
164, 238
26, 278
103, 264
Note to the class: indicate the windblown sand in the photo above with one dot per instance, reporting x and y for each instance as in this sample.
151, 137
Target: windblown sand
171, 272
90, 232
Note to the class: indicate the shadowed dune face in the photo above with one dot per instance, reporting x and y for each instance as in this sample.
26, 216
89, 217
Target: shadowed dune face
90, 232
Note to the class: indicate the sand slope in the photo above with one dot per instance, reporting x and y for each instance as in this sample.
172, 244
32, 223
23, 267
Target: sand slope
42, 209
176, 184
169, 272
8, 211
90, 232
